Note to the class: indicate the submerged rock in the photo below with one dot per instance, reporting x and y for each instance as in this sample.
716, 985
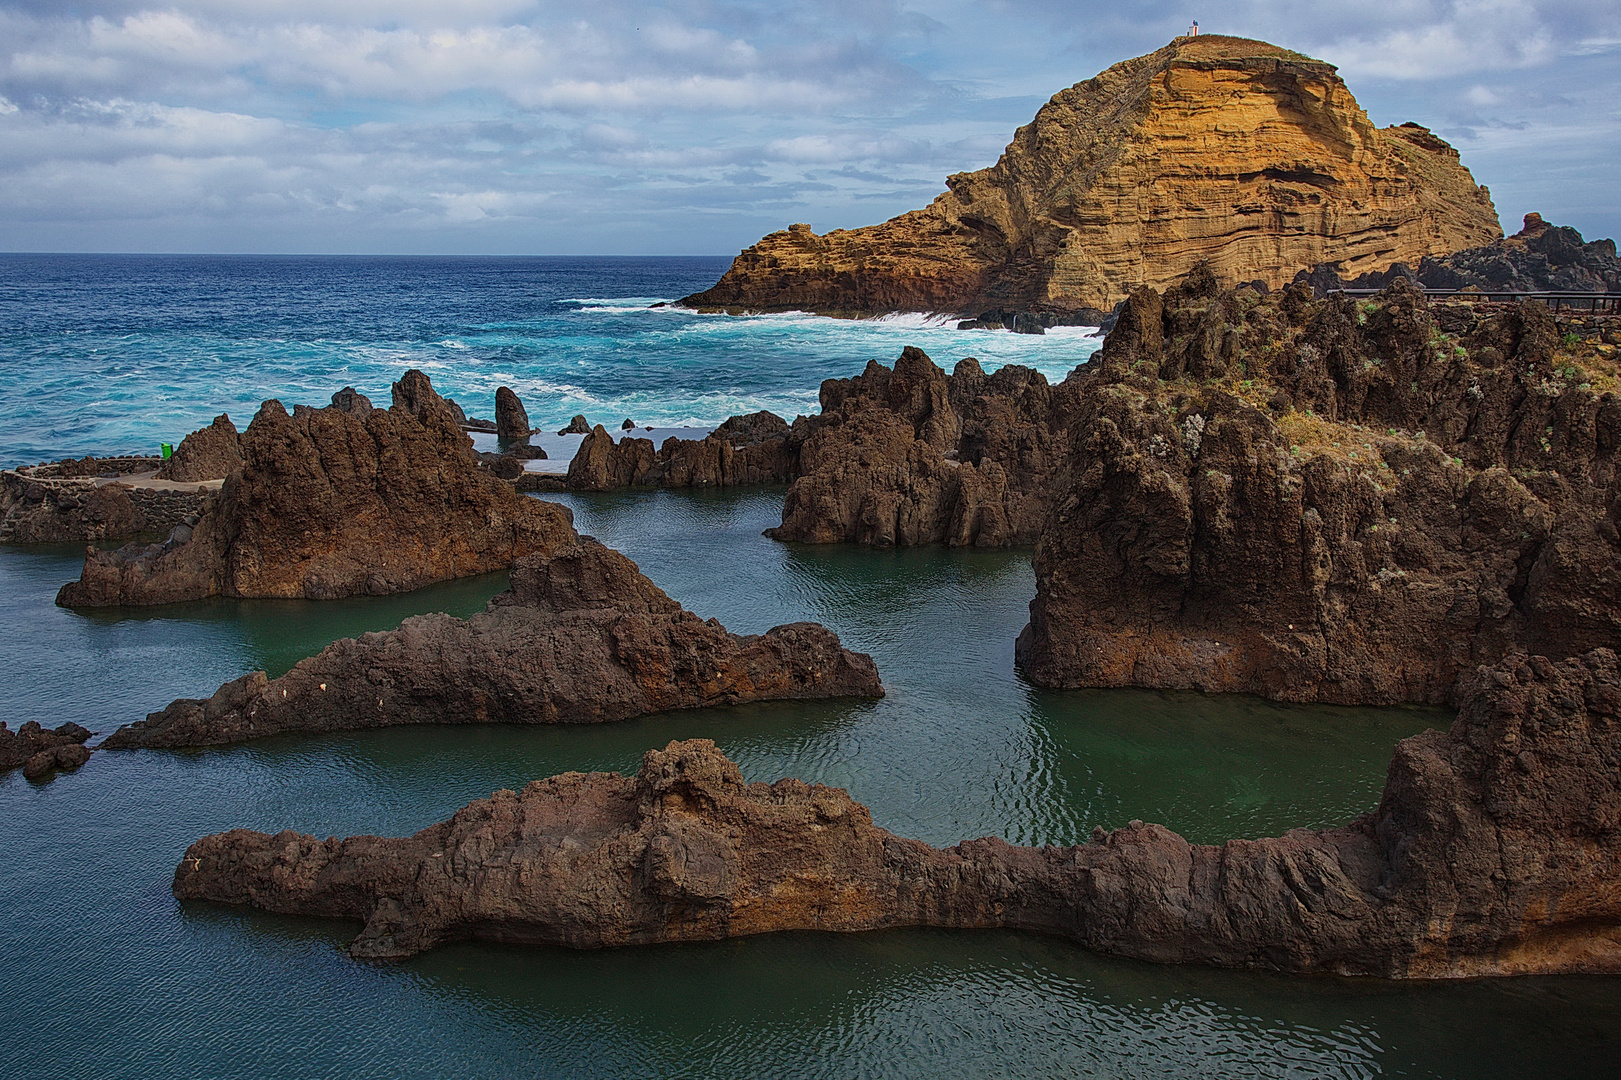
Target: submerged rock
40, 751
580, 637
1493, 852
332, 503
1336, 500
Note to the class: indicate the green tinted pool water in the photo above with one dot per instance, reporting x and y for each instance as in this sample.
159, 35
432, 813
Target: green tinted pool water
106, 975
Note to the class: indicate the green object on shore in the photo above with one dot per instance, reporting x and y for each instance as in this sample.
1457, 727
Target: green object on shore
167, 450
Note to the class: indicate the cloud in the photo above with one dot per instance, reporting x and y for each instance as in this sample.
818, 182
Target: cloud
688, 125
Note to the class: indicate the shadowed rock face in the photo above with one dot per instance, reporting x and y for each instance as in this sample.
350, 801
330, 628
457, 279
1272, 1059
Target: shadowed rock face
210, 453
1346, 501
580, 637
744, 451
1213, 148
913, 456
1494, 851
511, 420
332, 502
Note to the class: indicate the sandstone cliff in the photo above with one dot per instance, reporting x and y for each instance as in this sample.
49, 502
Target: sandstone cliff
1493, 852
1330, 500
1214, 148
580, 637
333, 502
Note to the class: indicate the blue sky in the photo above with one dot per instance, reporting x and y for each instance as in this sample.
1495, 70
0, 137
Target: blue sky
618, 127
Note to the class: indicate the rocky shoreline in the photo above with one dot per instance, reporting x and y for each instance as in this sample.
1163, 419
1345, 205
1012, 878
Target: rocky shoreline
1492, 852
580, 637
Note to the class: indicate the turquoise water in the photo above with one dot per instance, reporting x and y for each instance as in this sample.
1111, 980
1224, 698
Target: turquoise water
117, 353
105, 975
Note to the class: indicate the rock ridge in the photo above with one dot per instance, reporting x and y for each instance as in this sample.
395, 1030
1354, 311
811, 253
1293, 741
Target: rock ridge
1493, 851
581, 636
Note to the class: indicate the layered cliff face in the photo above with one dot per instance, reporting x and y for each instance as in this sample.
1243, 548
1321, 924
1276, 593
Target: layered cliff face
1330, 500
335, 502
1494, 851
580, 637
1251, 157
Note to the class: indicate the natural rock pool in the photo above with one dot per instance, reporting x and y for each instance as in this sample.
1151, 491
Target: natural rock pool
107, 975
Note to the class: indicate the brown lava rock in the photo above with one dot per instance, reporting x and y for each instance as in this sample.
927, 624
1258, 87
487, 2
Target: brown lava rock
40, 751
1334, 500
331, 502
580, 637
210, 453
1493, 852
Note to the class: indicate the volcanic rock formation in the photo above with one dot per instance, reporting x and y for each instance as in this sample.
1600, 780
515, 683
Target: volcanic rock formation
41, 751
1330, 500
1494, 851
511, 420
580, 637
210, 453
745, 450
912, 456
1214, 148
1539, 258
331, 503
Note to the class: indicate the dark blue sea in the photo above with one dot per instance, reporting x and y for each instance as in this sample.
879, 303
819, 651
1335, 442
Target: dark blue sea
104, 975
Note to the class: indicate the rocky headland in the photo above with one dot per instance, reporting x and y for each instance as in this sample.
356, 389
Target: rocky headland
333, 502
1220, 149
1333, 500
581, 636
1494, 851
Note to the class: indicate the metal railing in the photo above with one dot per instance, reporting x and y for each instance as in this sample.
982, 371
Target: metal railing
1593, 303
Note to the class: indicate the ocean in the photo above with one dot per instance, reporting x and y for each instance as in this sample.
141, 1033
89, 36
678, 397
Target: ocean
118, 353
106, 975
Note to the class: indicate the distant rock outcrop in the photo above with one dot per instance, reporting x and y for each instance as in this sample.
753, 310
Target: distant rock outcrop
1330, 500
1496, 850
1220, 149
210, 453
580, 637
1539, 258
332, 503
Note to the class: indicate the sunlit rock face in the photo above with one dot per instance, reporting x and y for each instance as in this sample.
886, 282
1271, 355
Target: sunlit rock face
1214, 148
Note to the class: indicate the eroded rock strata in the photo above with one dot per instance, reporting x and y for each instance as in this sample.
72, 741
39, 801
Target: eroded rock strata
333, 502
1331, 500
580, 637
1214, 148
1494, 851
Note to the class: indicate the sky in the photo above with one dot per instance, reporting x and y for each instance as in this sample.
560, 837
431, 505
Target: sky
690, 126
